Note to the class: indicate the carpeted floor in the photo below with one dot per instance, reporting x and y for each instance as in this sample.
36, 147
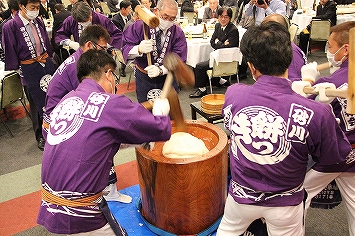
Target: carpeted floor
20, 175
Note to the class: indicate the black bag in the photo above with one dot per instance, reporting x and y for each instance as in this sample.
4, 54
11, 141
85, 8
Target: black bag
328, 198
257, 228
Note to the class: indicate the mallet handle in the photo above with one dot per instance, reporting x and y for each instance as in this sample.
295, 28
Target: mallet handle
350, 107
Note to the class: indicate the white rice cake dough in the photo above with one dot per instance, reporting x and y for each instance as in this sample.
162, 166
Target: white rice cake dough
184, 145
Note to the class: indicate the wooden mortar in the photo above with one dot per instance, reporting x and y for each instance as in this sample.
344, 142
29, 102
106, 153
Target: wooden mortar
185, 196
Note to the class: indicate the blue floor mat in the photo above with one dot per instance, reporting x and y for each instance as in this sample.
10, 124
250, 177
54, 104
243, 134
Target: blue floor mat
128, 215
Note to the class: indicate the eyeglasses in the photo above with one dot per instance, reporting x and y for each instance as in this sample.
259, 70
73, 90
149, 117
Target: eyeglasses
224, 17
164, 16
115, 77
99, 47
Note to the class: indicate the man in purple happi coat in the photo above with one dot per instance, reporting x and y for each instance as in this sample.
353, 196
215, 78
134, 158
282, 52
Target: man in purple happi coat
272, 132
298, 57
87, 128
318, 178
83, 16
167, 37
27, 47
65, 80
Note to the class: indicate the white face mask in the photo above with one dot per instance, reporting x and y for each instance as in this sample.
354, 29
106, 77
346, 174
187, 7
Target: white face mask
31, 15
85, 24
165, 24
331, 59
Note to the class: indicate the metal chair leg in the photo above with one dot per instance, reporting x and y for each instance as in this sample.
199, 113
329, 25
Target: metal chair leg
7, 127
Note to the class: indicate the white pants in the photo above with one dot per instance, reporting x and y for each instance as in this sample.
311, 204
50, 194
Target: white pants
106, 230
316, 181
282, 221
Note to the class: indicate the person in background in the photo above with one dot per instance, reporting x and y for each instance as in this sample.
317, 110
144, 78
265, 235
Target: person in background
27, 48
13, 8
299, 59
83, 16
167, 37
60, 15
272, 132
79, 155
112, 5
146, 3
51, 4
187, 6
318, 178
226, 35
120, 20
268, 7
65, 80
134, 18
70, 6
211, 11
326, 10
44, 9
230, 3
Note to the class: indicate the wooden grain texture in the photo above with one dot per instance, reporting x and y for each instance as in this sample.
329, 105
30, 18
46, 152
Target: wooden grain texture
147, 16
185, 196
350, 107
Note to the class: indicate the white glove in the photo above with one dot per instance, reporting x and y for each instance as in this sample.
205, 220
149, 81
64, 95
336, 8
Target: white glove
161, 107
153, 71
65, 42
145, 46
74, 45
309, 72
298, 86
320, 88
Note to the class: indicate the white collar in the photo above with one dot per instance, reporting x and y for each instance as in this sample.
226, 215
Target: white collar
24, 20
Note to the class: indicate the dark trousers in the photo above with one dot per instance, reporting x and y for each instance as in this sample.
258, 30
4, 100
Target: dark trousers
304, 38
201, 78
36, 120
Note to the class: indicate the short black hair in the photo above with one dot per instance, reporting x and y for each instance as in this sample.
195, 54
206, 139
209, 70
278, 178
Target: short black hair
268, 48
24, 2
59, 7
13, 5
93, 33
93, 63
81, 11
125, 4
222, 9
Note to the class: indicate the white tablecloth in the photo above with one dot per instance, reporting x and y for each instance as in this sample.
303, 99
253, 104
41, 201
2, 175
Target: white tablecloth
345, 9
345, 18
198, 50
302, 19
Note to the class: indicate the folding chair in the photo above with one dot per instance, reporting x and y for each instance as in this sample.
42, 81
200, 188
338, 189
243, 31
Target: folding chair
11, 91
190, 16
320, 30
224, 67
293, 31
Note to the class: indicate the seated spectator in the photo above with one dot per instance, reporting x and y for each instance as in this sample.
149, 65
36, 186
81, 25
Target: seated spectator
112, 5
226, 35
211, 11
146, 3
187, 6
326, 10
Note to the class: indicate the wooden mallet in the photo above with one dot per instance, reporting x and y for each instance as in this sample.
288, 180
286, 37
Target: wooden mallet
149, 19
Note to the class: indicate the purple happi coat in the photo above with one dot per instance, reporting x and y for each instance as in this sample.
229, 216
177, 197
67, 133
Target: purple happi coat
273, 130
86, 130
